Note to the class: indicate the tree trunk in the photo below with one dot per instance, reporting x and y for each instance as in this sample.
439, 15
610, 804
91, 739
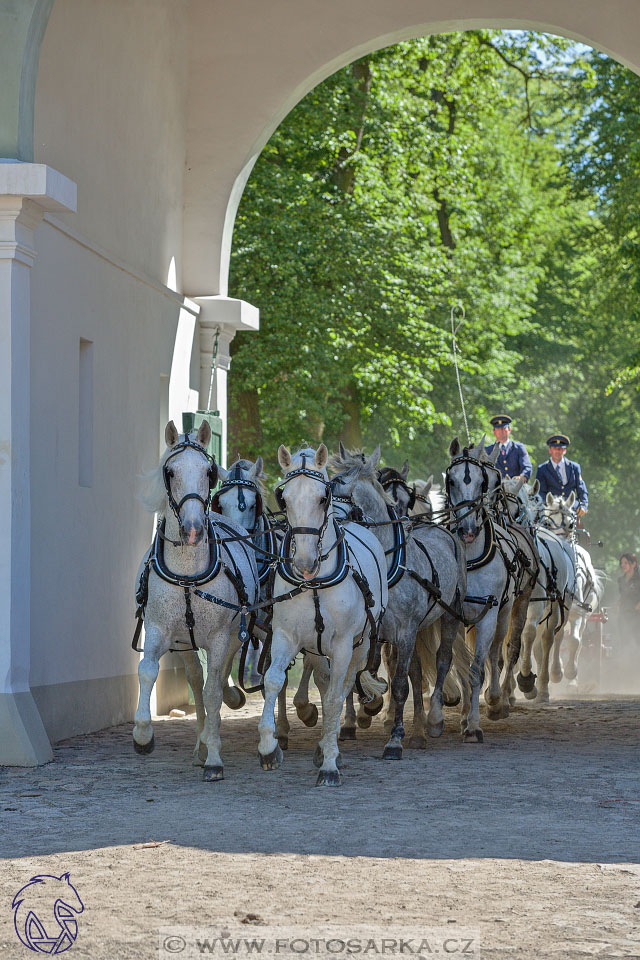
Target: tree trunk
245, 430
344, 174
351, 433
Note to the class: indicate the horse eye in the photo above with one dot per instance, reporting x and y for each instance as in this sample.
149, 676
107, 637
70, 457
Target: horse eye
170, 474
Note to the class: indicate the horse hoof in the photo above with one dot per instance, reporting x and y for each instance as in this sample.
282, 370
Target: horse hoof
364, 722
504, 711
542, 698
347, 733
531, 694
373, 709
555, 675
234, 697
526, 684
494, 713
451, 702
435, 730
392, 752
471, 735
329, 778
308, 714
271, 761
144, 748
283, 741
417, 742
209, 774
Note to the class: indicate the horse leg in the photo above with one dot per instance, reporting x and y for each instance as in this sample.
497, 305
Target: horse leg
514, 644
348, 728
307, 712
526, 678
143, 739
574, 635
213, 690
333, 694
485, 632
282, 653
493, 692
418, 738
193, 667
282, 723
389, 658
444, 655
400, 692
546, 641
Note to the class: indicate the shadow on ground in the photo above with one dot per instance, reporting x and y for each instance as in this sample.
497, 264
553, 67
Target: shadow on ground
554, 783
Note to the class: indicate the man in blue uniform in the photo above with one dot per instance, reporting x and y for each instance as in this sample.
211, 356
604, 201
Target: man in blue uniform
560, 476
513, 460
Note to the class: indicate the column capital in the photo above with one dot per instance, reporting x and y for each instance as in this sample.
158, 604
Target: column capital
27, 192
229, 314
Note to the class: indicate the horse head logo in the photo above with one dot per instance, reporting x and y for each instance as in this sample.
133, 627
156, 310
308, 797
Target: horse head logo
44, 914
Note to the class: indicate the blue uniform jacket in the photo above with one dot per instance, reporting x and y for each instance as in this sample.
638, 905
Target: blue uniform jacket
549, 482
514, 462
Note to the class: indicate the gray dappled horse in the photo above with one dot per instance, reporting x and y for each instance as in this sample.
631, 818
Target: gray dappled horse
431, 556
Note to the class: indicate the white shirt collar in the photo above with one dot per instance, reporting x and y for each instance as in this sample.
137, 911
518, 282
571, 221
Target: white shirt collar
562, 466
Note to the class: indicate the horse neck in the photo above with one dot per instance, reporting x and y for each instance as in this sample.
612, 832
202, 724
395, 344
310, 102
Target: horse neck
476, 549
372, 504
190, 561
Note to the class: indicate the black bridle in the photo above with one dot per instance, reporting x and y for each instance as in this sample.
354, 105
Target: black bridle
167, 474
241, 484
474, 503
325, 501
390, 480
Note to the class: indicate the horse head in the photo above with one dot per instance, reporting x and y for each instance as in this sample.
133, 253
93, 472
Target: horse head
240, 495
471, 485
305, 497
189, 475
395, 483
559, 514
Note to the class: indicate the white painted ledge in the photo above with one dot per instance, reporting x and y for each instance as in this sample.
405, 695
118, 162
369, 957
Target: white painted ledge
47, 187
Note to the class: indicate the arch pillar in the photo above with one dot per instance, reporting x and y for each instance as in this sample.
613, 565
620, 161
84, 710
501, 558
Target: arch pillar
27, 191
224, 316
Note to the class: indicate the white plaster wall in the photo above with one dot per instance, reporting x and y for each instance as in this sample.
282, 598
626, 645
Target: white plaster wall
110, 111
110, 114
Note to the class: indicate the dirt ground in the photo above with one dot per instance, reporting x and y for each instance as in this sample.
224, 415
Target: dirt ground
532, 838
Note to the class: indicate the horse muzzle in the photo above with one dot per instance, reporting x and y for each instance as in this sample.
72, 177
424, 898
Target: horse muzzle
192, 534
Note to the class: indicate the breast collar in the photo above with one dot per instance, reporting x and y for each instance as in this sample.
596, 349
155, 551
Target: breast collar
269, 546
159, 566
398, 551
286, 570
489, 550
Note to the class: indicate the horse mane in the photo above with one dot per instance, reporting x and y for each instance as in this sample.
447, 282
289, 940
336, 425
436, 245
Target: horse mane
153, 494
437, 498
355, 460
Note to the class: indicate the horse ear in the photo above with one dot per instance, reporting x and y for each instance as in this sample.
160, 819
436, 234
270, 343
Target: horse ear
343, 452
222, 473
322, 455
256, 469
549, 500
427, 486
571, 499
495, 453
170, 434
375, 457
404, 473
284, 457
204, 434
536, 487
519, 483
477, 451
454, 448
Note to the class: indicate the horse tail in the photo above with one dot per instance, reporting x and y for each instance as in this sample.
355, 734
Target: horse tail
369, 686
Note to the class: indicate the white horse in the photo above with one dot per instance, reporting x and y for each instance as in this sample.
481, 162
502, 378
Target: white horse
189, 553
336, 577
588, 590
549, 600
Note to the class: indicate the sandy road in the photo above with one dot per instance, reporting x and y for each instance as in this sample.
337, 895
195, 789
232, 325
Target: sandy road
531, 838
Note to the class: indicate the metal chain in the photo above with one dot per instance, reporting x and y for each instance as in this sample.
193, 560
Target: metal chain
213, 366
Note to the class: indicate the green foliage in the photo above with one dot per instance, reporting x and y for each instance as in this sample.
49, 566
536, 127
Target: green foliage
494, 169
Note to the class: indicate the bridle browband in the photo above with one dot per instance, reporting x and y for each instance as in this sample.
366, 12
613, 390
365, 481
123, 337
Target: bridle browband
389, 479
167, 474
